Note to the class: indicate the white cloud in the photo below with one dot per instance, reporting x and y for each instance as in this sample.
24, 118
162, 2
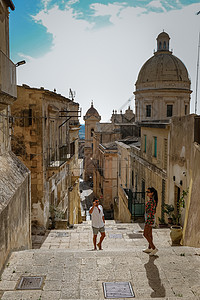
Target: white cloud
156, 4
71, 2
103, 64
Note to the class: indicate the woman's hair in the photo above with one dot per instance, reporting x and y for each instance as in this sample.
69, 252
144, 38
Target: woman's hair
155, 194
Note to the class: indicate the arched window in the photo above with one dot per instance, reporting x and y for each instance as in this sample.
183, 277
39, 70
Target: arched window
164, 45
92, 132
160, 45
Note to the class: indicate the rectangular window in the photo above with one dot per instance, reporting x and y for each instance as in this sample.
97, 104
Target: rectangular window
169, 110
30, 116
145, 143
72, 148
148, 110
165, 153
136, 182
155, 147
143, 189
186, 110
132, 179
120, 169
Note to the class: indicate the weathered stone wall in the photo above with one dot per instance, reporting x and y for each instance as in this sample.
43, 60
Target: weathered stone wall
192, 230
15, 232
4, 131
146, 173
4, 28
184, 173
121, 211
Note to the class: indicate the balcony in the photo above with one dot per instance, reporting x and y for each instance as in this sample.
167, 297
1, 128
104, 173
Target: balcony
8, 87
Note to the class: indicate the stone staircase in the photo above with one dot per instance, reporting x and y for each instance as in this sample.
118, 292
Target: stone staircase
65, 267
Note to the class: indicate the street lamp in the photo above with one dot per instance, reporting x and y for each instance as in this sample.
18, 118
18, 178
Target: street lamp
19, 63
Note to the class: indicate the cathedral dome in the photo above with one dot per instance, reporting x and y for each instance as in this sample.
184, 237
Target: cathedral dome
163, 67
163, 85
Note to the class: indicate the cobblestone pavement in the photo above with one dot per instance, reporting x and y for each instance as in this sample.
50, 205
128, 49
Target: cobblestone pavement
71, 270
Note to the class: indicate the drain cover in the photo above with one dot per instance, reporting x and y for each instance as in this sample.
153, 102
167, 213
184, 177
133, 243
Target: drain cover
135, 236
30, 283
62, 234
115, 235
59, 234
116, 290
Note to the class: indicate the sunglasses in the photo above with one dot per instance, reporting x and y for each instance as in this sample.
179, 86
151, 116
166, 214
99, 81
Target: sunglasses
148, 192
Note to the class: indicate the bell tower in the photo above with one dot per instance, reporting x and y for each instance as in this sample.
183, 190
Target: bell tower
91, 118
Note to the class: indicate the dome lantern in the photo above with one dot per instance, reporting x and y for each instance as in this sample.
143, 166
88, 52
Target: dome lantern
163, 41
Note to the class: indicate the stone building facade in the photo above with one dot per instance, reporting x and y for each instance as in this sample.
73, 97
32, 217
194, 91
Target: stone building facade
15, 230
104, 176
121, 207
46, 140
184, 173
102, 158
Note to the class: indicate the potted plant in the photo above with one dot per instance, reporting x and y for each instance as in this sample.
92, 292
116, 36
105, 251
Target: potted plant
176, 229
168, 209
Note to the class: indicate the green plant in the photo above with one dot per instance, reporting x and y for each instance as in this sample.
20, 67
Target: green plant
168, 209
180, 206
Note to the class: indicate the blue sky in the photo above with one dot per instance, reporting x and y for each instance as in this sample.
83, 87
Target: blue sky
25, 33
98, 47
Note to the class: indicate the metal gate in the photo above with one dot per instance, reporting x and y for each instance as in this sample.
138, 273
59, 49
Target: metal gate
136, 203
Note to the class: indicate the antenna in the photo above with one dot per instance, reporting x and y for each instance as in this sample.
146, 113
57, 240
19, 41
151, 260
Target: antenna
72, 94
197, 76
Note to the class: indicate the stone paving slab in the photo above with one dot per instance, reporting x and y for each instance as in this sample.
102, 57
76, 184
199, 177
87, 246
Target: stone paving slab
76, 272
